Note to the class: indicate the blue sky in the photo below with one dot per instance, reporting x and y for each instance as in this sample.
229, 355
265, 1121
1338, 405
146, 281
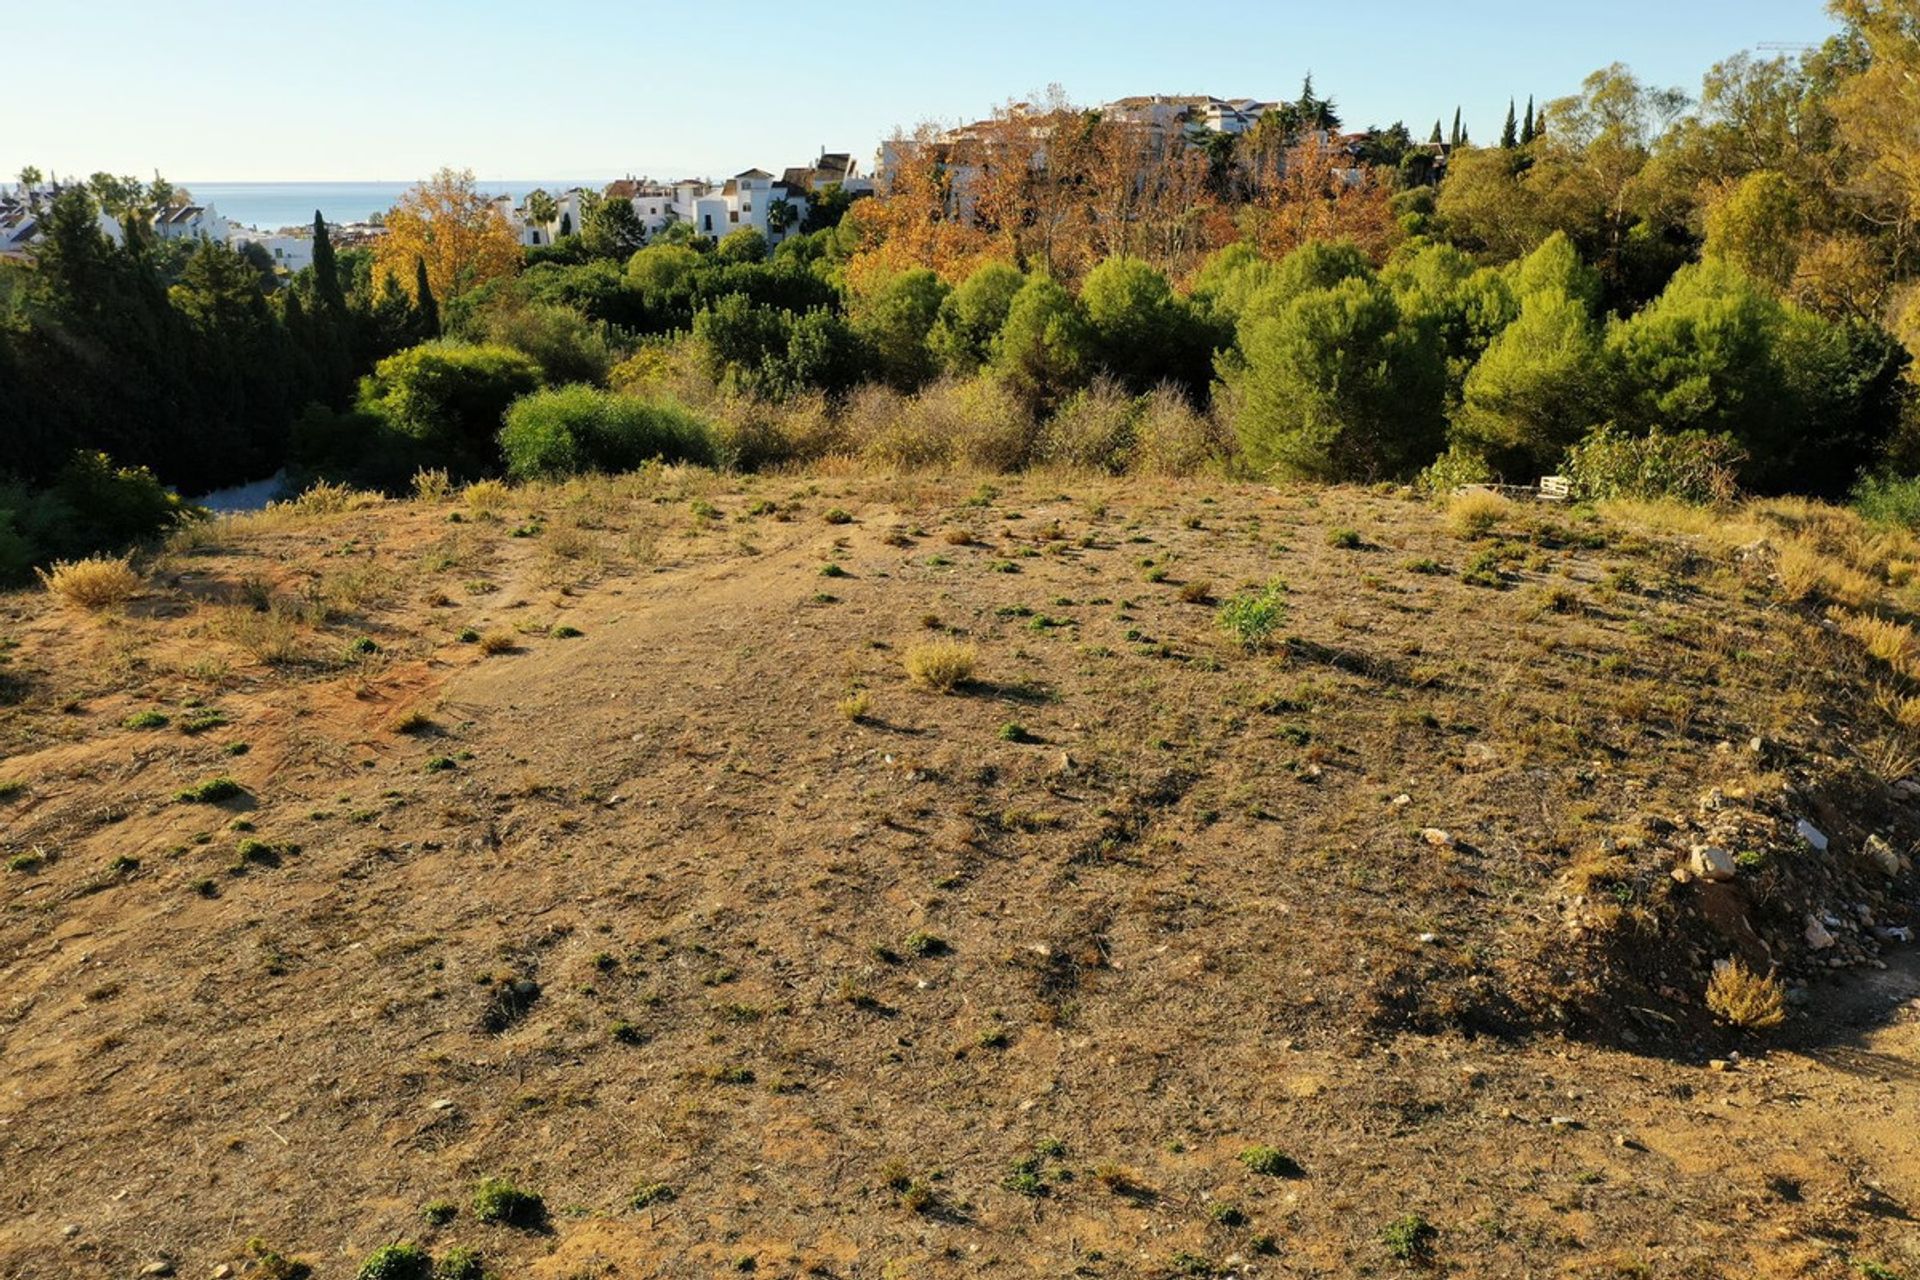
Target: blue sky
355, 90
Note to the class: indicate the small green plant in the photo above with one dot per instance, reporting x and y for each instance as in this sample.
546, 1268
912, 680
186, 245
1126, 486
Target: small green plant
145, 720
440, 1212
212, 791
624, 1032
925, 945
498, 1200
1252, 617
270, 1264
203, 722
831, 570
1409, 1238
1270, 1162
11, 788
124, 865
1227, 1214
32, 860
1344, 539
566, 632
838, 515
439, 764
459, 1263
1012, 731
650, 1193
397, 1262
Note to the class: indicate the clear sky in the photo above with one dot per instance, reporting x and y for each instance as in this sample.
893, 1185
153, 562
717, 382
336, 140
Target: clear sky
389, 90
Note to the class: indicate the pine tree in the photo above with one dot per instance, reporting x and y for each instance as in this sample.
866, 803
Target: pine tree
426, 311
1510, 134
1526, 130
326, 272
1437, 135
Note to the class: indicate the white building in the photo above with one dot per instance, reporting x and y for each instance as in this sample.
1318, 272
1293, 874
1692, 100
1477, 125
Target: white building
189, 221
291, 252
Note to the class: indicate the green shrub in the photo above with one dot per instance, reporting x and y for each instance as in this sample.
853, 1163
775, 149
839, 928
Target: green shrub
498, 1200
576, 429
1691, 466
1253, 616
397, 1262
459, 1264
1409, 1238
1889, 499
450, 394
212, 791
1270, 1162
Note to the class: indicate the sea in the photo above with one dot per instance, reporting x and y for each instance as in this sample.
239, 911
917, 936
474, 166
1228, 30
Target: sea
270, 206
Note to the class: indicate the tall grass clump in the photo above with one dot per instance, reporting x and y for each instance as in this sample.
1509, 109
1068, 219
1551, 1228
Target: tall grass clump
575, 429
1477, 513
941, 665
94, 583
1742, 998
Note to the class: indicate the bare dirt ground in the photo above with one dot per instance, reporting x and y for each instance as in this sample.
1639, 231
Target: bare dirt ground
602, 843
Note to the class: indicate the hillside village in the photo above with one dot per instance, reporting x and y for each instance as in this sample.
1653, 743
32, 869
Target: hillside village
755, 198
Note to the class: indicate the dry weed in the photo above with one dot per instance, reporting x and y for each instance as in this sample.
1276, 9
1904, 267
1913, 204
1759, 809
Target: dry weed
93, 583
940, 665
1745, 999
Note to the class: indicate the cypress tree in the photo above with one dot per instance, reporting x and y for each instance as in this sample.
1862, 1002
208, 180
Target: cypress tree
1437, 135
1458, 137
1526, 130
326, 272
426, 311
1510, 134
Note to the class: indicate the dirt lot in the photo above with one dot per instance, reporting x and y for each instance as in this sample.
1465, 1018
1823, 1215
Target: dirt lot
599, 839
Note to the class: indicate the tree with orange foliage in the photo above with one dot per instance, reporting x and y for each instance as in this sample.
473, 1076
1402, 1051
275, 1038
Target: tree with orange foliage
1318, 196
452, 230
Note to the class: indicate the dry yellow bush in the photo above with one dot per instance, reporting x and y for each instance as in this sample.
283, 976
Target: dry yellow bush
1742, 998
1475, 514
432, 485
326, 498
942, 665
93, 583
1806, 573
488, 497
1892, 642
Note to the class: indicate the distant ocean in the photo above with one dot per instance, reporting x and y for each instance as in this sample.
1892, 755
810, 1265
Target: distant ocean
272, 205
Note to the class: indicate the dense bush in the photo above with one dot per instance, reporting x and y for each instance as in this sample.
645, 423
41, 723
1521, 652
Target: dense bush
574, 429
972, 316
1692, 466
450, 395
1810, 400
90, 506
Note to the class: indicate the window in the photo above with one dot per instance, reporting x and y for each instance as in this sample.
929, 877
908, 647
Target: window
709, 221
733, 215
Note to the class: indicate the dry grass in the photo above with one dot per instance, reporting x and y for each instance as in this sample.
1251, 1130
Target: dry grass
271, 635
432, 485
1805, 574
1891, 642
487, 498
854, 707
494, 643
1745, 999
1477, 513
93, 583
326, 498
940, 665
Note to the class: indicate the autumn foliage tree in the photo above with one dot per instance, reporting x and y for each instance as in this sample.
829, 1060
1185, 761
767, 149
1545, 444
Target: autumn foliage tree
447, 225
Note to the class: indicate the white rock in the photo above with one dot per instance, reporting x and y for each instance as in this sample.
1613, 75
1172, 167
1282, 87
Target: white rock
1438, 838
1402, 801
1812, 835
1881, 854
1817, 936
1712, 863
